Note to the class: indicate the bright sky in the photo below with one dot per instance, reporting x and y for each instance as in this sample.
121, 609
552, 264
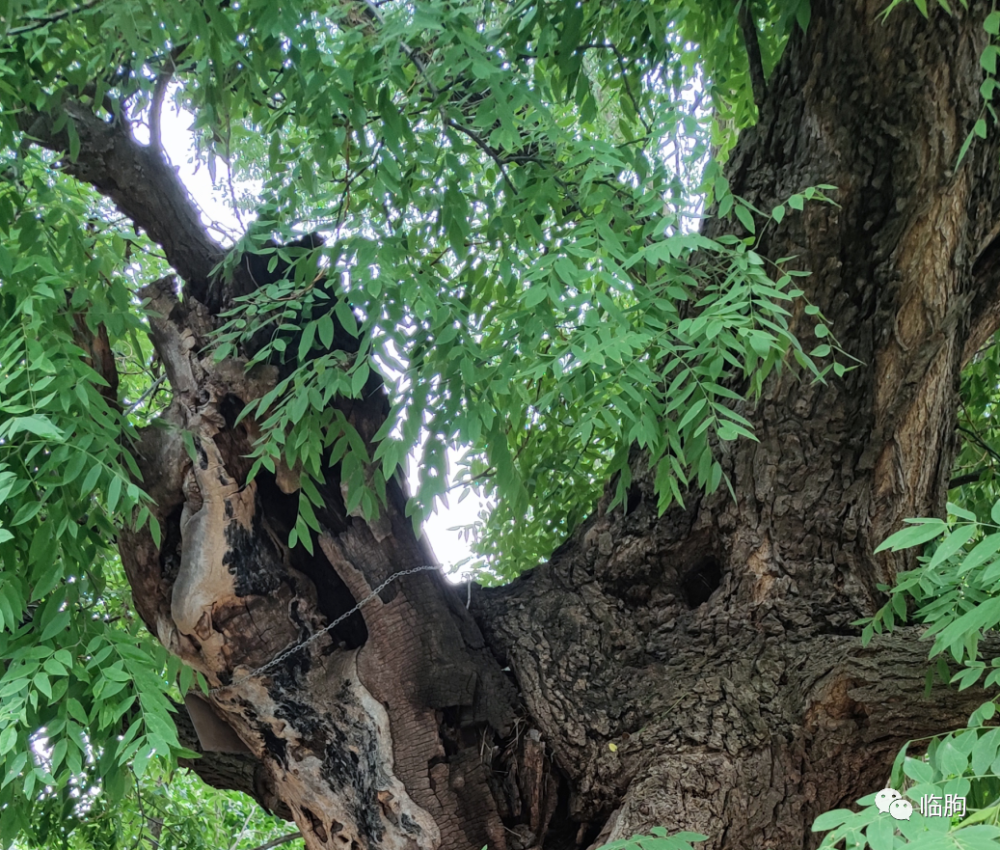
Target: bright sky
178, 142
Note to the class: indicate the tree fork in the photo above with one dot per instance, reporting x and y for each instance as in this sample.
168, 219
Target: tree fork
696, 670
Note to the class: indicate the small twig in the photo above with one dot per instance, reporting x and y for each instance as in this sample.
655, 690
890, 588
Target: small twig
232, 188
277, 842
621, 66
152, 389
481, 144
628, 89
246, 823
142, 812
465, 482
978, 438
349, 181
376, 15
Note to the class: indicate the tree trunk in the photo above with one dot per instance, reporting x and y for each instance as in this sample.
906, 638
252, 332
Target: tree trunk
698, 670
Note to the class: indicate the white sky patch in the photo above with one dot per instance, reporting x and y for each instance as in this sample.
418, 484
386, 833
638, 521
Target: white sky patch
443, 527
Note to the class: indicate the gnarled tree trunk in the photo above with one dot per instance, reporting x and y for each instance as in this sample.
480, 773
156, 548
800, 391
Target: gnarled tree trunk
697, 670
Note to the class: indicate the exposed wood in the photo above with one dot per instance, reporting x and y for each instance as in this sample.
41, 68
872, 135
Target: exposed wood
229, 771
214, 734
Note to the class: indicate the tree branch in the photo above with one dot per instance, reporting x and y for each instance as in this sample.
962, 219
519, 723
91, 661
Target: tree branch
228, 771
141, 183
966, 478
482, 145
156, 103
757, 80
277, 842
98, 355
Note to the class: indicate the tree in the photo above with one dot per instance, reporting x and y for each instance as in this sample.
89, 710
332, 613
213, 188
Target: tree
705, 435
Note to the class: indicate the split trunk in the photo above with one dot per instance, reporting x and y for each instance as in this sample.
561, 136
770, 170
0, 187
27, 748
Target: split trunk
697, 670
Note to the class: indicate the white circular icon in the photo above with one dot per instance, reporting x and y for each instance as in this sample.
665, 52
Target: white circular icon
901, 809
885, 798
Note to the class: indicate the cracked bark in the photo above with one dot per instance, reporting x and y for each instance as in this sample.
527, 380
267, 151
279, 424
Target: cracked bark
712, 646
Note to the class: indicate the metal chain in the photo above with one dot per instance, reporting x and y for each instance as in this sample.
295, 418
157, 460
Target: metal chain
287, 653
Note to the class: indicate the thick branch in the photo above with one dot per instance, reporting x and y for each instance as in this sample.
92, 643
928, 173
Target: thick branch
142, 184
229, 771
980, 169
99, 356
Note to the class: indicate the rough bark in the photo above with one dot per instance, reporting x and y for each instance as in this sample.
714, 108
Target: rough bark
698, 670
714, 646
719, 654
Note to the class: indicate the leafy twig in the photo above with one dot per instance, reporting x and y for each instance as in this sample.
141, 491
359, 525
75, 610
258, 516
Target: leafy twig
51, 19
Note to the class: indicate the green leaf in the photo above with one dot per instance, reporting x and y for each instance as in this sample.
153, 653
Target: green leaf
41, 683
951, 544
114, 492
90, 482
306, 341
981, 553
746, 217
58, 624
914, 536
359, 379
8, 739
325, 328
995, 512
187, 438
25, 513
985, 751
76, 711
40, 426
951, 760
960, 512
988, 59
831, 819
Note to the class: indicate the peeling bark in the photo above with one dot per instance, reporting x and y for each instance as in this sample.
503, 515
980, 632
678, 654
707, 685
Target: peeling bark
372, 735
